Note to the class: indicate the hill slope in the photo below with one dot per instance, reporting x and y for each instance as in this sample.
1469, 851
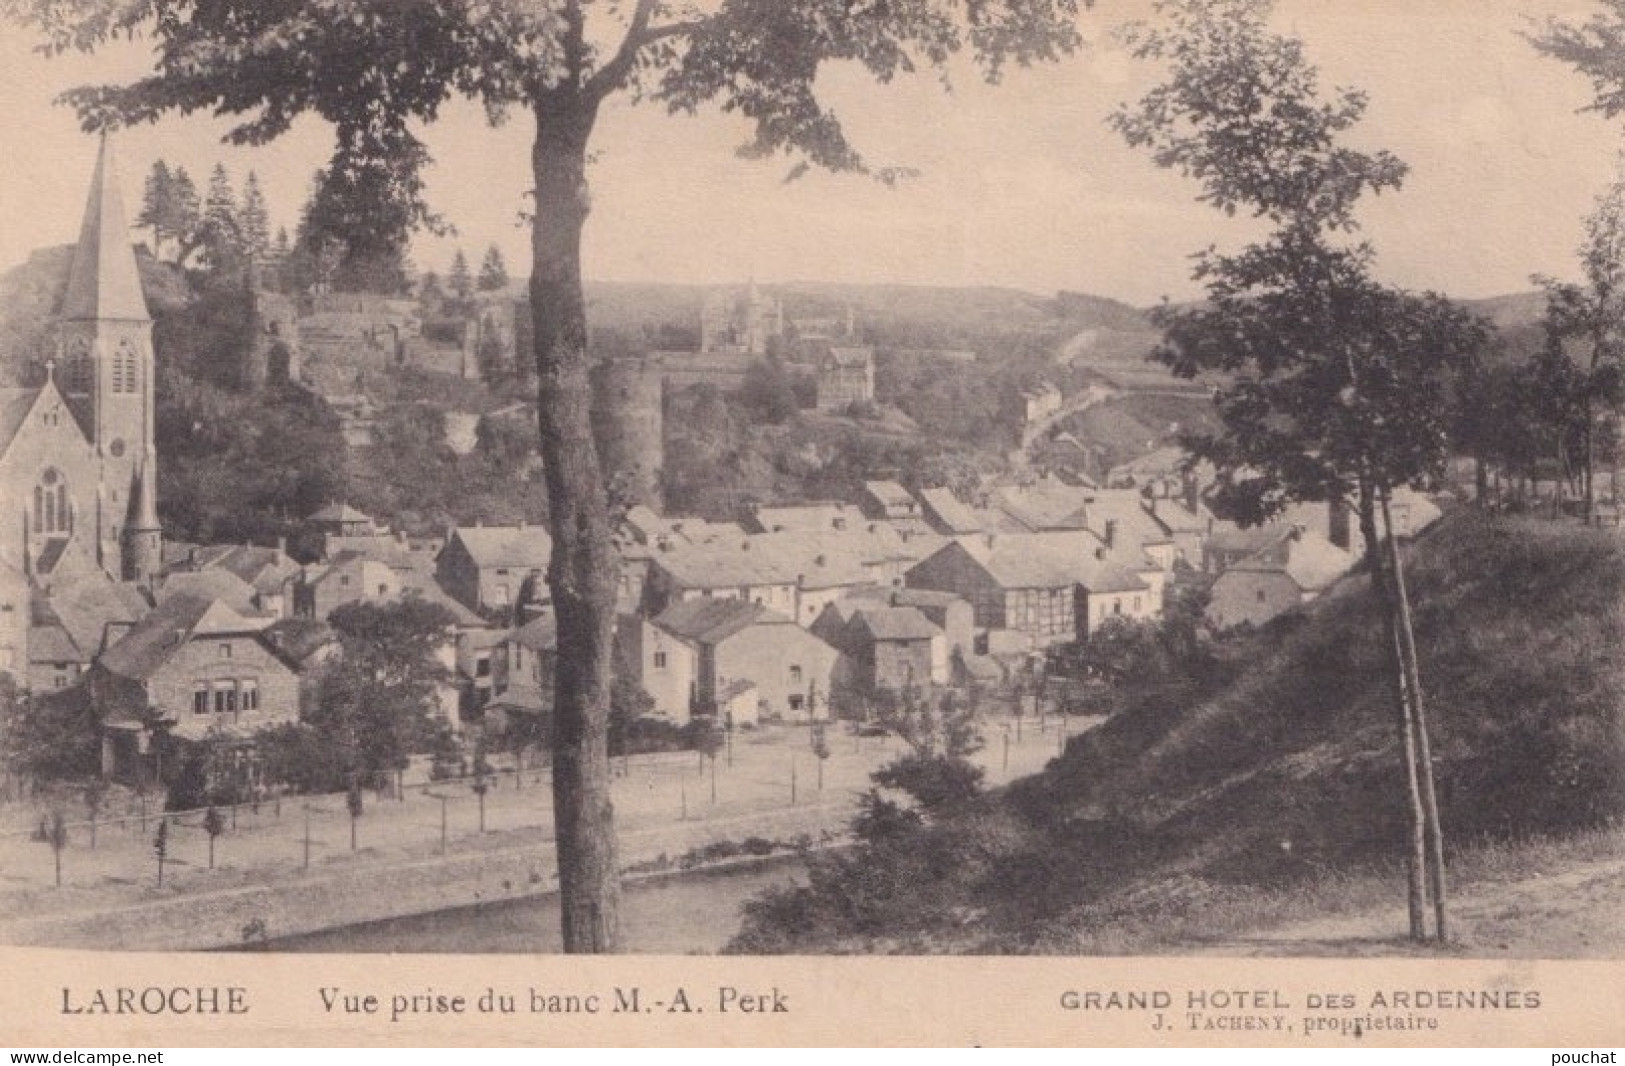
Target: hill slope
1183, 814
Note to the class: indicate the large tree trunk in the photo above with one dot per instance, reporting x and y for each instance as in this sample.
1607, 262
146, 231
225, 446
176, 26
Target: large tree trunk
583, 571
1419, 725
1416, 841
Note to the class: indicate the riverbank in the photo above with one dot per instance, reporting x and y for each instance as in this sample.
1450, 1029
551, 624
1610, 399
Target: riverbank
687, 912
302, 865
361, 892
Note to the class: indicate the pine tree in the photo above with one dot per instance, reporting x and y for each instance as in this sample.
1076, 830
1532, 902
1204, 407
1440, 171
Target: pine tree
493, 271
155, 205
458, 277
253, 220
222, 238
184, 215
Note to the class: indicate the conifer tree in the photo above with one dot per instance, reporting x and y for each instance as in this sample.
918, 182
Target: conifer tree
253, 220
155, 205
493, 271
458, 277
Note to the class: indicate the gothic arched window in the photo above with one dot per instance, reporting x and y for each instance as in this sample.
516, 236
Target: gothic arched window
76, 369
53, 512
126, 377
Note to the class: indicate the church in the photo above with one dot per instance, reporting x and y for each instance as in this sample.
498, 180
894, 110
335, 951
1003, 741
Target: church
78, 463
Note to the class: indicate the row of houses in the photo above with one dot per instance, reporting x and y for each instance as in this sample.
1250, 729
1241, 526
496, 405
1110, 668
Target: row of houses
783, 614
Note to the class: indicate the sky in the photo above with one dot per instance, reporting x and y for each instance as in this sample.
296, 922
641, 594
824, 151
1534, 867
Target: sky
1022, 185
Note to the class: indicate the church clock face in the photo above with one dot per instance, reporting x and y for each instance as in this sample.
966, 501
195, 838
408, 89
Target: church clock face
116, 449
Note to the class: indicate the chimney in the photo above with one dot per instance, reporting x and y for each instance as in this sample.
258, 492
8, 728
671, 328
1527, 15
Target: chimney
180, 636
1111, 533
1190, 492
521, 524
282, 545
1100, 554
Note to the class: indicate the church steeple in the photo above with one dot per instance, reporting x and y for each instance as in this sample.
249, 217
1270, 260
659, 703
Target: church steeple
104, 284
104, 361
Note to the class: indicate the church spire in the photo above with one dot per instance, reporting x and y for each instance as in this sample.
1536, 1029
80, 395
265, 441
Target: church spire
105, 283
143, 536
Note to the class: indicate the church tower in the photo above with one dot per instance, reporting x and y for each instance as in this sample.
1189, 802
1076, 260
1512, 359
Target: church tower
105, 355
143, 541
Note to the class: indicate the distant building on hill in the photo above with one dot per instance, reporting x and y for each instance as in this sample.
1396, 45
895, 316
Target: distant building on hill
846, 376
740, 322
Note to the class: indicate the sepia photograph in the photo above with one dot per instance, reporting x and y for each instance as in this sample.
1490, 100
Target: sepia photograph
1011, 521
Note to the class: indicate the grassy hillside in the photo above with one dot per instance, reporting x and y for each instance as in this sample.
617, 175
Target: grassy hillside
1192, 810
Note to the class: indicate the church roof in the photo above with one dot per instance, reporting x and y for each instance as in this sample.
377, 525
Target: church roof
14, 407
104, 282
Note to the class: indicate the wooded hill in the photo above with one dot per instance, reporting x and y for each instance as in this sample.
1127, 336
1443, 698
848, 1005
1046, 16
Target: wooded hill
1276, 774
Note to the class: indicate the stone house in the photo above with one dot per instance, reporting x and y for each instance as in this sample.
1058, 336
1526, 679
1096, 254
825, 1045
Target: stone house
196, 666
735, 640
661, 662
895, 647
484, 567
1287, 574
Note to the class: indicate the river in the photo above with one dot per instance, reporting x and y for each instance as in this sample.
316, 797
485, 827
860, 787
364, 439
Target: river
678, 914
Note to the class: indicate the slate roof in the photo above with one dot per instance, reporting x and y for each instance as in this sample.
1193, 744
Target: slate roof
1049, 561
85, 604
946, 511
53, 644
895, 623
211, 584
15, 405
520, 547
713, 621
1312, 562
1228, 537
890, 495
153, 640
1165, 461
264, 568
423, 585
539, 634
381, 547
1045, 504
808, 517
727, 565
